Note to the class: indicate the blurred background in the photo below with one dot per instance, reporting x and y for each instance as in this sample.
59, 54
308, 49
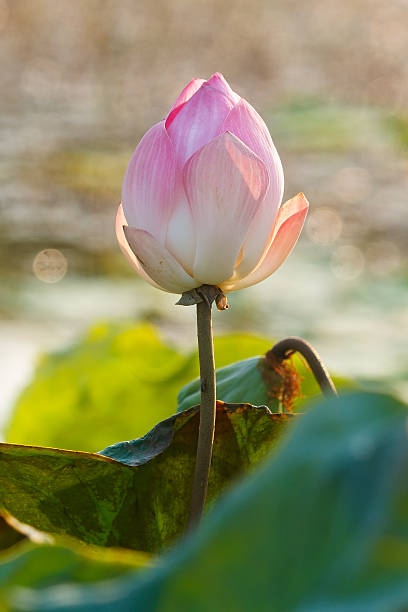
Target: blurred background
81, 82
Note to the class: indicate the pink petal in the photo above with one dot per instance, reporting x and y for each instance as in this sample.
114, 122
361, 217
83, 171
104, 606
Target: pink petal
257, 238
185, 95
125, 248
245, 123
148, 185
199, 121
158, 262
286, 231
189, 90
225, 184
218, 82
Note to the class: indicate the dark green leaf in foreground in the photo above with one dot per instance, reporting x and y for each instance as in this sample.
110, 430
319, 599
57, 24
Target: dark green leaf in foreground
39, 566
137, 496
74, 399
322, 526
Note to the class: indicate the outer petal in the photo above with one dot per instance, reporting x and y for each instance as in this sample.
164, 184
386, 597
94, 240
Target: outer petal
287, 229
225, 184
198, 122
126, 250
245, 123
148, 185
185, 95
158, 262
218, 82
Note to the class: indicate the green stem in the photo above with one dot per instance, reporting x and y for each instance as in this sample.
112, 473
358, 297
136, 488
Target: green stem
207, 413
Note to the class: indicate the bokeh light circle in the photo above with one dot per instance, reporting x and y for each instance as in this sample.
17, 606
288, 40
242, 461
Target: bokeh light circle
324, 225
50, 266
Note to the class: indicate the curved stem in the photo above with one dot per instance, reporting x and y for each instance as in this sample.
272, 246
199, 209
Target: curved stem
286, 347
207, 412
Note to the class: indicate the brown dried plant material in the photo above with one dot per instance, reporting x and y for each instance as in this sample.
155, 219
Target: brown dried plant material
282, 382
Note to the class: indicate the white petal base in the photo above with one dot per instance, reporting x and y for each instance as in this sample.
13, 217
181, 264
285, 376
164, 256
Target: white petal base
158, 262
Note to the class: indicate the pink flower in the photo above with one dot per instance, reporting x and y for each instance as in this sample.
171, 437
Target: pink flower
201, 196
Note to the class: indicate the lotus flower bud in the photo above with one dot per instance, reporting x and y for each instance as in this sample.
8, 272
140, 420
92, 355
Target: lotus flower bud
201, 197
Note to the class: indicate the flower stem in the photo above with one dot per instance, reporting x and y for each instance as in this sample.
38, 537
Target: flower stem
207, 412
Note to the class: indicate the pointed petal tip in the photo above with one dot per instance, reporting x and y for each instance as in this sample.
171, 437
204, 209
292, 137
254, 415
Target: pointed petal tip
215, 78
297, 204
302, 198
189, 90
219, 82
198, 121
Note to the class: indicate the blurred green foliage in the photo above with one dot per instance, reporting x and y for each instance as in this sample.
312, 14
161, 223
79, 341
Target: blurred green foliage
310, 124
119, 381
398, 123
39, 565
115, 384
89, 172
